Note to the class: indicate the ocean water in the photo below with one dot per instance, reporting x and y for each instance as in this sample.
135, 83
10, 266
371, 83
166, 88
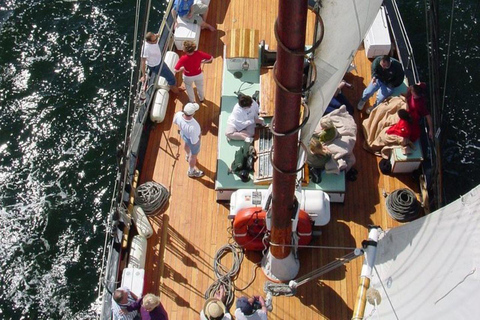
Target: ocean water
64, 73
460, 68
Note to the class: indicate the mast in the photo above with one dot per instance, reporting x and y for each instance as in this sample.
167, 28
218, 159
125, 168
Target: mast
290, 33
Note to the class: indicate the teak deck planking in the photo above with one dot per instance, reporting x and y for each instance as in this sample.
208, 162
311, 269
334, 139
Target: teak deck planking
198, 225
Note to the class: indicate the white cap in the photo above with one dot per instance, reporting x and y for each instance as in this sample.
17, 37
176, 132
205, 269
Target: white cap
190, 108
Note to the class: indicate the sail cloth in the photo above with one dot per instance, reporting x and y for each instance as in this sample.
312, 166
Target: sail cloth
346, 24
430, 268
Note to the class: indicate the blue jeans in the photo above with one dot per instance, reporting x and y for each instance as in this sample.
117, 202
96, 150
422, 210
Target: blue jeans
165, 72
384, 92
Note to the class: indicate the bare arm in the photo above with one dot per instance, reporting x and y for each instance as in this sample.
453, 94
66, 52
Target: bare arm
142, 68
262, 302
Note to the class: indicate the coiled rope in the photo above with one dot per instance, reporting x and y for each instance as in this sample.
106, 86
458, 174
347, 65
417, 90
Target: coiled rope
402, 205
225, 276
151, 197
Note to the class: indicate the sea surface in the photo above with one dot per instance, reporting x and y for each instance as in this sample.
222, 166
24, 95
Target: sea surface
64, 77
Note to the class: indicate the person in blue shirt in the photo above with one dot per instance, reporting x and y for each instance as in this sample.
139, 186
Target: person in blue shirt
192, 12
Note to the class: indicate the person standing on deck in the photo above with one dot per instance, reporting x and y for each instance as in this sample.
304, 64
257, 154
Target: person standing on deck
387, 74
150, 308
123, 297
191, 65
152, 57
191, 133
191, 12
251, 308
417, 108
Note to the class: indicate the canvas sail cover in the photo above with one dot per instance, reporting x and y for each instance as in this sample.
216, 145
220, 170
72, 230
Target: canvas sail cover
346, 24
430, 268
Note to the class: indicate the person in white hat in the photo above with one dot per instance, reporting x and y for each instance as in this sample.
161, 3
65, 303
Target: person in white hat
191, 133
214, 309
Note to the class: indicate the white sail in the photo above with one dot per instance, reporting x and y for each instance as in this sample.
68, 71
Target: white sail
346, 24
430, 268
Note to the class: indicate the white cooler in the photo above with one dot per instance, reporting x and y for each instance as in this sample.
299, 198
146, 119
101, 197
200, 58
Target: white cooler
133, 278
377, 41
186, 31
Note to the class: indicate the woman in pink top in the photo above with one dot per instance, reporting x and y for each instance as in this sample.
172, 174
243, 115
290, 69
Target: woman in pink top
191, 65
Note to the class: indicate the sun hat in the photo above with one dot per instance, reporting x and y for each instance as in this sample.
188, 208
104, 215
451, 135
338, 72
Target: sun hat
190, 108
214, 308
244, 306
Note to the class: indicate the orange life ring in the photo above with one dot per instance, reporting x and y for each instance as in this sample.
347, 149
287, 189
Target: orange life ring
249, 228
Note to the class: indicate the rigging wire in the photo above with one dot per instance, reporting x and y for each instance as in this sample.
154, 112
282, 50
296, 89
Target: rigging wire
448, 54
386, 293
115, 188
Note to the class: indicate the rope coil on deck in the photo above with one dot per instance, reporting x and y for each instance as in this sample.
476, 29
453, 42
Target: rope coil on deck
224, 276
151, 197
402, 205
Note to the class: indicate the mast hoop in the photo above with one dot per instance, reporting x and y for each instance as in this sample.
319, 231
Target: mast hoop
294, 130
301, 91
290, 173
303, 52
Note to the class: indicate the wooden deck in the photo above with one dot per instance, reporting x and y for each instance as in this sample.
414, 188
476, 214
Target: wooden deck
198, 225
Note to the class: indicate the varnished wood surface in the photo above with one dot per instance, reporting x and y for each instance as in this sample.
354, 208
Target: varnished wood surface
198, 225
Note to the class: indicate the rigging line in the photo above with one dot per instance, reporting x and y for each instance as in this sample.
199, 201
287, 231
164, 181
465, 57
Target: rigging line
113, 202
463, 280
386, 293
448, 54
312, 247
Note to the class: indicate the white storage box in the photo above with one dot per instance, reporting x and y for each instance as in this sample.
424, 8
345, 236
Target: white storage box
315, 202
186, 31
138, 252
406, 163
377, 41
132, 279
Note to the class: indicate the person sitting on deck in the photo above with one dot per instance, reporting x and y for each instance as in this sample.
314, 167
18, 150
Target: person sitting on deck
191, 12
387, 74
251, 308
403, 127
339, 99
123, 297
150, 308
328, 132
243, 119
214, 308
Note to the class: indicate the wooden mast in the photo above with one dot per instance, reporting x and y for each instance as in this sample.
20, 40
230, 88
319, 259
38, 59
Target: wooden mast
291, 29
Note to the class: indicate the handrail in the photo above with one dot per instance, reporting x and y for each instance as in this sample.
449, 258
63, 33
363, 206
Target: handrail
406, 55
139, 117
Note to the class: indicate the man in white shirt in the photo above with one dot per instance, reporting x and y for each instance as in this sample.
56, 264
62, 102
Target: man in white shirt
191, 133
243, 119
152, 57
122, 297
251, 308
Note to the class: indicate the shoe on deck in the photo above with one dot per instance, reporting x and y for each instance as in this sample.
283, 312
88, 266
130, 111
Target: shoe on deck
195, 174
369, 110
360, 104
